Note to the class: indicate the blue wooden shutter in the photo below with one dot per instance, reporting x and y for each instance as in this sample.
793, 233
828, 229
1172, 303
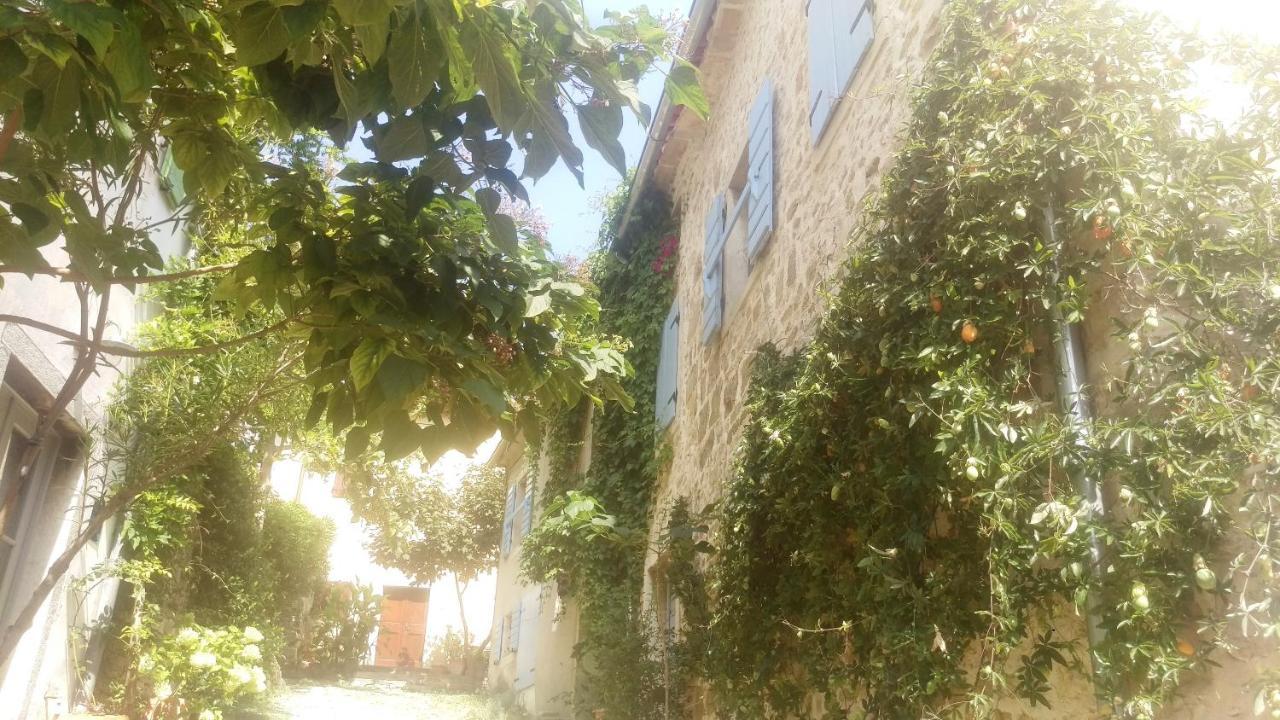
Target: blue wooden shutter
507, 518
760, 171
668, 357
853, 35
822, 63
527, 509
713, 270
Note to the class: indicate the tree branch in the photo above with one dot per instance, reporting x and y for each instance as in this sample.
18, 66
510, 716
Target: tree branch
119, 502
122, 350
68, 275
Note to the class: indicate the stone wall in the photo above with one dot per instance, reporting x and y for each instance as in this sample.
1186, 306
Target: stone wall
820, 190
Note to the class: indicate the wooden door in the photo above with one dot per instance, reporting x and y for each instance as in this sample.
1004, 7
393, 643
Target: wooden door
402, 627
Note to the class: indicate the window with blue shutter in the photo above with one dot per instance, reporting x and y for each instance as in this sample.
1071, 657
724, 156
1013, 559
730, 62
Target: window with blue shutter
507, 518
526, 510
840, 33
668, 355
713, 270
760, 171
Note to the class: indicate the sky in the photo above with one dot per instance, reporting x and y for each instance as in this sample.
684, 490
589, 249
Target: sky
573, 212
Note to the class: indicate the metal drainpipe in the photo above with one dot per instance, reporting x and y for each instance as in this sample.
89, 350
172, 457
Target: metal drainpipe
1069, 350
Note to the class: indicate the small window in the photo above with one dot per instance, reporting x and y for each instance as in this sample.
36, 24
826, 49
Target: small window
19, 496
508, 520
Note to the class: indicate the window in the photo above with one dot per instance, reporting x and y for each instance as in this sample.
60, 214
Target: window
498, 645
526, 514
840, 32
668, 358
740, 221
508, 519
19, 495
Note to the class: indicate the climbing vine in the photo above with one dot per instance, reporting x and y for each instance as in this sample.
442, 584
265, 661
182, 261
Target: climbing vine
905, 531
592, 539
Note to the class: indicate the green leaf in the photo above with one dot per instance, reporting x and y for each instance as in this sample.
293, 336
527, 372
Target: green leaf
406, 138
348, 97
364, 12
684, 88
400, 435
487, 393
367, 358
89, 20
502, 230
129, 65
13, 62
601, 123
260, 34
535, 305
494, 63
412, 61
373, 39
61, 90
551, 137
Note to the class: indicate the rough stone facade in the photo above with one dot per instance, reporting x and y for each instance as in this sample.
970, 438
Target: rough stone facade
820, 189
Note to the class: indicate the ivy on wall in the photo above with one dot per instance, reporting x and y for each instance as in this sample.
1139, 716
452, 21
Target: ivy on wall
903, 533
592, 537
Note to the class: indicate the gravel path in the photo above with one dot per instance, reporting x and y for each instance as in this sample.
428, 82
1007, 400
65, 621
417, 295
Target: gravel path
369, 699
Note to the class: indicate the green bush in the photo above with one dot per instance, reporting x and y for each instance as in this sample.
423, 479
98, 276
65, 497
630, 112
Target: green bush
196, 673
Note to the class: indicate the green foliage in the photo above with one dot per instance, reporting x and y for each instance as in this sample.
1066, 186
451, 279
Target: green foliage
197, 673
425, 320
423, 529
344, 622
573, 526
591, 538
903, 516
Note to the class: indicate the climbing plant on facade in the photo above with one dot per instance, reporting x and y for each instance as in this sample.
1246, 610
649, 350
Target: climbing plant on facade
593, 538
905, 532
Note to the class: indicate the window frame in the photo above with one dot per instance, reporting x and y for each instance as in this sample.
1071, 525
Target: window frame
18, 416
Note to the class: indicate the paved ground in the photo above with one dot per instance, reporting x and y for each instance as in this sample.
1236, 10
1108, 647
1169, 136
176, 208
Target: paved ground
373, 699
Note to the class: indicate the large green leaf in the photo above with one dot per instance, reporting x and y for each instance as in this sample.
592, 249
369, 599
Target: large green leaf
260, 34
601, 123
494, 62
129, 65
406, 138
550, 136
684, 88
89, 20
373, 39
412, 60
61, 90
364, 12
367, 358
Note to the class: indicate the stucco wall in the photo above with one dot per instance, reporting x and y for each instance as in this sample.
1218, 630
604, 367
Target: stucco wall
551, 636
52, 661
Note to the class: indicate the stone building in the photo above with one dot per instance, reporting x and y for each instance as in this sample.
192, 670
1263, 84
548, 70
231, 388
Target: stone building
807, 98
55, 666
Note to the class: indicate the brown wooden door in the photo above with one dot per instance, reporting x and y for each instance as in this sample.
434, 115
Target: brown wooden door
402, 627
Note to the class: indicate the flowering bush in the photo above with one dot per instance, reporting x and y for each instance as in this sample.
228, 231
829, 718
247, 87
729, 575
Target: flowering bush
198, 672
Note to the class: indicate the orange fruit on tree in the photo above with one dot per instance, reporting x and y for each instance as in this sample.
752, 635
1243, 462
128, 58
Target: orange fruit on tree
1186, 649
969, 332
935, 303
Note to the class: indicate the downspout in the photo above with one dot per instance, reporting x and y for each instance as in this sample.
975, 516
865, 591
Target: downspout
1072, 376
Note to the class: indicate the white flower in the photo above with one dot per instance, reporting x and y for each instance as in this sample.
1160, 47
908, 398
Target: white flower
259, 679
251, 652
241, 674
145, 663
252, 634
203, 659
208, 715
188, 635
163, 691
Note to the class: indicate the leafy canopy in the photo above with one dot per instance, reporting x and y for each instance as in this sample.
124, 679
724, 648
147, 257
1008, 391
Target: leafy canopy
424, 316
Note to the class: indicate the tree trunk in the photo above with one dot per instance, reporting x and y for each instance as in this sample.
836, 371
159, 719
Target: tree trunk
459, 588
